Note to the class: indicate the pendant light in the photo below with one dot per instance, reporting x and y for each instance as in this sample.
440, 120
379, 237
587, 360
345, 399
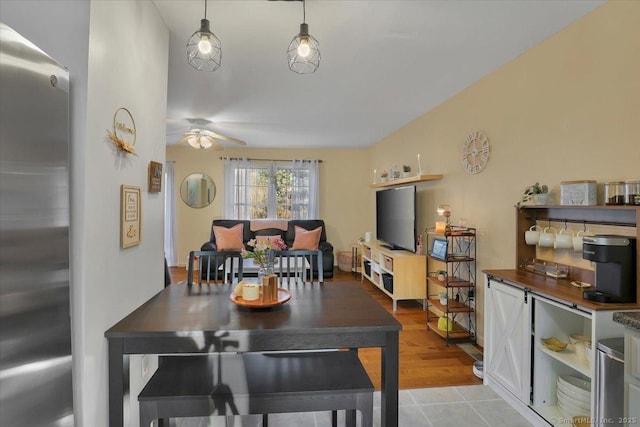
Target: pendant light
304, 49
204, 51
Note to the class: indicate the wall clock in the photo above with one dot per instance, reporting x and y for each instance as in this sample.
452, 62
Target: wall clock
475, 152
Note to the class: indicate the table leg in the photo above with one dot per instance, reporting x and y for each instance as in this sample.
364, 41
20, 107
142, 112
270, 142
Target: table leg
390, 372
116, 382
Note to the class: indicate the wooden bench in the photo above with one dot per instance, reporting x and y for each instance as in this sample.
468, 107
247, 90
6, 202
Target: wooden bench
230, 384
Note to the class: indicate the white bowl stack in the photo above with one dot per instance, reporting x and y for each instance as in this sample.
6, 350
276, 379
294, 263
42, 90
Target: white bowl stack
574, 396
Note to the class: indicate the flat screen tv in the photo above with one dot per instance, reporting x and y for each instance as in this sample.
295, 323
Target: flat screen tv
396, 217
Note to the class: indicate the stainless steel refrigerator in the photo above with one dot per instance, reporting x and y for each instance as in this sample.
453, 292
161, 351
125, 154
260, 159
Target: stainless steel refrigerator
35, 334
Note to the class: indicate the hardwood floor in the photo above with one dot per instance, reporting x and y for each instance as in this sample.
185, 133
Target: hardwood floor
425, 360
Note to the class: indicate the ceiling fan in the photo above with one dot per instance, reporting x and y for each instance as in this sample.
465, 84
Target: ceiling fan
205, 138
198, 136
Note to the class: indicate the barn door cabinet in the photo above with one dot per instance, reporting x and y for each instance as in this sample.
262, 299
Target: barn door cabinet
518, 314
522, 307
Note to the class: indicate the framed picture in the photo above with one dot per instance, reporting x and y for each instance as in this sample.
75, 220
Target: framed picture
439, 249
155, 177
130, 216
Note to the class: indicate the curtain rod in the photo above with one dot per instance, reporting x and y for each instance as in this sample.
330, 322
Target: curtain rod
264, 160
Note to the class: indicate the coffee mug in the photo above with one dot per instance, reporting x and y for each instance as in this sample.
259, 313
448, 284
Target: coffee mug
564, 239
547, 238
577, 240
532, 235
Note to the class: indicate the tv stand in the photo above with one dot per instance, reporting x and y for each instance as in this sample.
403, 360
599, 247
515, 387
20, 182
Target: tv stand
399, 274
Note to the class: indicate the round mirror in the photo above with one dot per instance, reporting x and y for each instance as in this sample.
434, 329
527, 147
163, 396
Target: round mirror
198, 190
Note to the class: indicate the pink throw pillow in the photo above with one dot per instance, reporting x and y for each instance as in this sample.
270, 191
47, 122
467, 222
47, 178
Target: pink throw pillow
306, 240
269, 241
229, 239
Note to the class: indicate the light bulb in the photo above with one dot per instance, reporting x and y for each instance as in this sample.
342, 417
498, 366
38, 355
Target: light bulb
204, 45
193, 141
303, 48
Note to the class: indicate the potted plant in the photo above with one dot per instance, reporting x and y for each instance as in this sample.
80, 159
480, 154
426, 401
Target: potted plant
406, 170
383, 176
536, 192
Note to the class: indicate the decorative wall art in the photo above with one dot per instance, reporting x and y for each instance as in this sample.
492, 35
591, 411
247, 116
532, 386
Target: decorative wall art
475, 152
155, 177
124, 131
131, 216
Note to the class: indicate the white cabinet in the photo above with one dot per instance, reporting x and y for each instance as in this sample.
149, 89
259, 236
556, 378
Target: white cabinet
517, 317
507, 349
559, 320
632, 376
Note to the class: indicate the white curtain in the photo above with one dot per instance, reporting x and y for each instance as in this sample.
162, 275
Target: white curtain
236, 192
170, 244
305, 194
314, 189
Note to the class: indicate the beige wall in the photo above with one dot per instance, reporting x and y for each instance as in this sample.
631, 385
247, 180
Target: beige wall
343, 191
567, 109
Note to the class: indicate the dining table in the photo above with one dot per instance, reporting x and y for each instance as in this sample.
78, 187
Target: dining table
195, 319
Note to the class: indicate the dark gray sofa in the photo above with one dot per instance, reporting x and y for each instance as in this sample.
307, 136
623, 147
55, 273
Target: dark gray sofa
288, 236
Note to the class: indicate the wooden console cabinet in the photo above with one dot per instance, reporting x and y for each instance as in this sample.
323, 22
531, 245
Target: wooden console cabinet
399, 274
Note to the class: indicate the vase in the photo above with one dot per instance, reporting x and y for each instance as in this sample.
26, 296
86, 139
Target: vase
266, 268
540, 199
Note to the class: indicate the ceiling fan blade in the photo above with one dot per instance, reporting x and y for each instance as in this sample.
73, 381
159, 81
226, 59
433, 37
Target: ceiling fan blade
227, 138
184, 139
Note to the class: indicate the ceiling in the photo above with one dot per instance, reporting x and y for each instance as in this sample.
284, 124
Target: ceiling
384, 63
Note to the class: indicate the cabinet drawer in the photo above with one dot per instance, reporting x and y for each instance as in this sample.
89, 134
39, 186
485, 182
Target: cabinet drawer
388, 263
367, 252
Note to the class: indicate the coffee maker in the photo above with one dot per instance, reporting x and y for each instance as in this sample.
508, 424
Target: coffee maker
615, 265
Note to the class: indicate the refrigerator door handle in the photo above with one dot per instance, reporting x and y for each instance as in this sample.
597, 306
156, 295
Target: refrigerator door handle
617, 359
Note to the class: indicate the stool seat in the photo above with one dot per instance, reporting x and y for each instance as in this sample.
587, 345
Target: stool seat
257, 383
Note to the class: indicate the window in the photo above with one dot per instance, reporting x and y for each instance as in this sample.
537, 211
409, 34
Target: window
273, 190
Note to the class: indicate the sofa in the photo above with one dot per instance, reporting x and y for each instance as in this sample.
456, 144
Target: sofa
283, 228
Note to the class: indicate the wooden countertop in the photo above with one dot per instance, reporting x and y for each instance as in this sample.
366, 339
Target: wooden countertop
556, 288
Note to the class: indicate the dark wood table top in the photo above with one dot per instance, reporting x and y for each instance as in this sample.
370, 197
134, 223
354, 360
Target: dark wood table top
556, 288
180, 310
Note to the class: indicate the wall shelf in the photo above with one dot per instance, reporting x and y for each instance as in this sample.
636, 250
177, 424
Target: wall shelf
400, 181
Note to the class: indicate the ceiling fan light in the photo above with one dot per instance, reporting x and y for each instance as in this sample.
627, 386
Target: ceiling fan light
204, 142
193, 141
204, 50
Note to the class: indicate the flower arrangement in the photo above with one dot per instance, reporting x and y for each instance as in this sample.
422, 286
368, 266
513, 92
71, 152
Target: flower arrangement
121, 144
262, 250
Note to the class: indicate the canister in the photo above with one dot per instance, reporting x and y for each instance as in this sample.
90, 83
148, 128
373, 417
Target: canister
614, 193
632, 192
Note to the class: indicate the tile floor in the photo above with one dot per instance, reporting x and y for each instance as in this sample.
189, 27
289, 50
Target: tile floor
474, 405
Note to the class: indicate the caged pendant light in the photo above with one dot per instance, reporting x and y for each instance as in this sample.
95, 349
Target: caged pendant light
204, 50
304, 49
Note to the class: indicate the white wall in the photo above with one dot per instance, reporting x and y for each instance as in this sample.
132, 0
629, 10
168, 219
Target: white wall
121, 61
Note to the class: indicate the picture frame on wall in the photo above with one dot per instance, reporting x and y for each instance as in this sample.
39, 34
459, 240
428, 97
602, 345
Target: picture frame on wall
155, 177
130, 216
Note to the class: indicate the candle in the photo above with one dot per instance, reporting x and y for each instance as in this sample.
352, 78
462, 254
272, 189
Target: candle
419, 166
250, 292
375, 176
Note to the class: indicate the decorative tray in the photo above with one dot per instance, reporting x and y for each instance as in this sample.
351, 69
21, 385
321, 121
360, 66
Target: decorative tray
554, 344
283, 296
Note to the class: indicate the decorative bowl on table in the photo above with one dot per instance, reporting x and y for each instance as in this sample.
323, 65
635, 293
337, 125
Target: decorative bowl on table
554, 344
